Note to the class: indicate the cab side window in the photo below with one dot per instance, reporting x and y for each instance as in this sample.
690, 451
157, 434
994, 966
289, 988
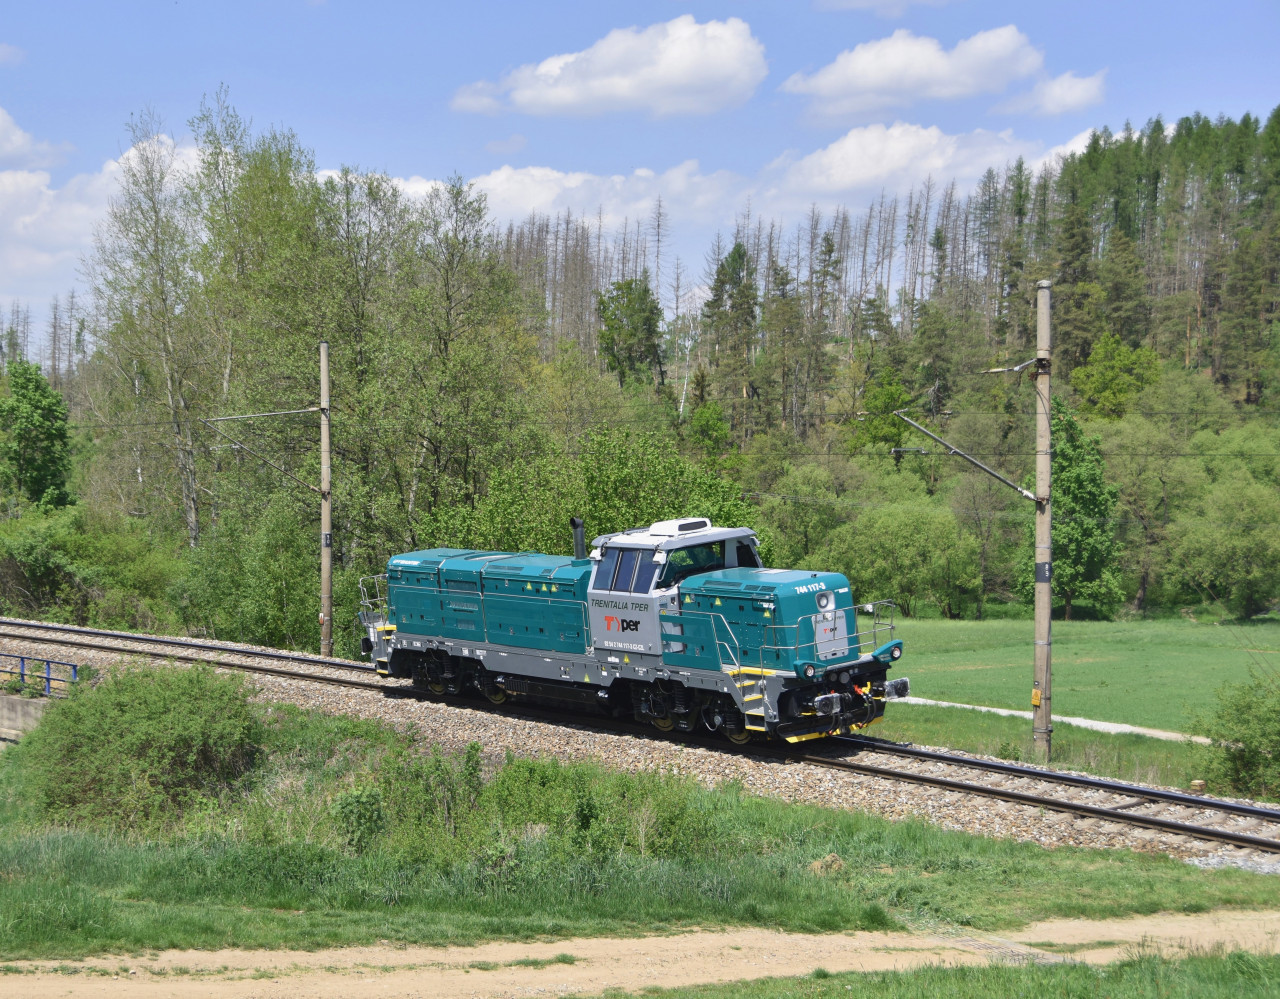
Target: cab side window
746, 557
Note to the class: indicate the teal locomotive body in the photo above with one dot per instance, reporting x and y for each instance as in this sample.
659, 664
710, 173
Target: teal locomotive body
677, 624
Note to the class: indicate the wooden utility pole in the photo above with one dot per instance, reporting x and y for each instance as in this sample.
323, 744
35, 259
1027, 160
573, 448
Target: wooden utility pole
1042, 685
326, 511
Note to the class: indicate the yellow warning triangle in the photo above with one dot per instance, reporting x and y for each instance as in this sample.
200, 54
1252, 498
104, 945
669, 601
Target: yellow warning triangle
688, 598
767, 614
586, 678
717, 601
626, 659
544, 587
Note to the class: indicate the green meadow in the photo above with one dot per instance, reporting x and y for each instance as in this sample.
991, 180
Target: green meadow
1159, 674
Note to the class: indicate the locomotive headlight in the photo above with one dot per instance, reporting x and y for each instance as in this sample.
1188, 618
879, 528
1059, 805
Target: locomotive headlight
825, 600
844, 677
808, 670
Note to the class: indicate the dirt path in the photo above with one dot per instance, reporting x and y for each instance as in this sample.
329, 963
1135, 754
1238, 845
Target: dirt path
491, 970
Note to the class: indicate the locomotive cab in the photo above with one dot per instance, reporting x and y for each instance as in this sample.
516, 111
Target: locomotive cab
638, 574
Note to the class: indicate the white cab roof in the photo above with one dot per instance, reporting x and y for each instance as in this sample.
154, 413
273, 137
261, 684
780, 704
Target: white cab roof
668, 535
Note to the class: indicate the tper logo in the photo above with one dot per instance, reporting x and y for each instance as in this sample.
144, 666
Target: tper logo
620, 624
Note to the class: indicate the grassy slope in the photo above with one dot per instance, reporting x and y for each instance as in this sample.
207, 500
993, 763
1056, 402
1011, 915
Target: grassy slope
1153, 673
1234, 976
266, 868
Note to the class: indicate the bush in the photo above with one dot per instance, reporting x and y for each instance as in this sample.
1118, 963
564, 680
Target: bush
360, 817
141, 746
1245, 729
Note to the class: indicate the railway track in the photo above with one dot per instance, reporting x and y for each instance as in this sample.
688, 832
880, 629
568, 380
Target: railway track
1250, 827
184, 650
1173, 812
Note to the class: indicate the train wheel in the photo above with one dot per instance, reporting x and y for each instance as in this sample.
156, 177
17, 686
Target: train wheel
435, 686
495, 695
664, 724
738, 738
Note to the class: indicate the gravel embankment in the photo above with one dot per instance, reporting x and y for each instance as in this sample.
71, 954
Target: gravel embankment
453, 727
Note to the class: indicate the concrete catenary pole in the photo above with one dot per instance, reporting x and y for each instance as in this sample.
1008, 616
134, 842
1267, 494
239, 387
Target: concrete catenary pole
1042, 713
326, 511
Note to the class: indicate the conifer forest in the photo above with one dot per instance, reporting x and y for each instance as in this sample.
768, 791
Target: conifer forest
490, 379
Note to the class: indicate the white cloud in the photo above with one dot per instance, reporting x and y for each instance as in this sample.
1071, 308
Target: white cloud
679, 67
1061, 95
20, 149
1076, 144
10, 55
877, 157
688, 193
905, 68
505, 147
44, 230
885, 8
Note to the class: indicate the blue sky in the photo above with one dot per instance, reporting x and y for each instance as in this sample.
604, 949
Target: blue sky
707, 104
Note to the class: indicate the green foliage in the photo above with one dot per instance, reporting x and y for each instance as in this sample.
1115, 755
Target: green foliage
140, 747
476, 375
631, 329
35, 446
709, 431
616, 480
87, 567
906, 553
1085, 551
257, 578
1231, 551
360, 817
1113, 374
1245, 728
879, 431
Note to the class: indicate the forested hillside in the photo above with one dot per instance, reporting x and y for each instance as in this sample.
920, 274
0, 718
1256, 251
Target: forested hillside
490, 380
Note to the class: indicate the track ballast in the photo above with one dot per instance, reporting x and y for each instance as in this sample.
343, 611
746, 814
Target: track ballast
1208, 819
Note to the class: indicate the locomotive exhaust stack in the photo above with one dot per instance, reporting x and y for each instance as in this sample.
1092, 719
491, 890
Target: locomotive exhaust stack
579, 538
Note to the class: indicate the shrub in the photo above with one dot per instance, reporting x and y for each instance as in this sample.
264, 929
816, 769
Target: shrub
1245, 729
360, 817
141, 746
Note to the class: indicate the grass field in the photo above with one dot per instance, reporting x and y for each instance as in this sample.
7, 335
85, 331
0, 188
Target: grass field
530, 850
1232, 976
1123, 757
1158, 674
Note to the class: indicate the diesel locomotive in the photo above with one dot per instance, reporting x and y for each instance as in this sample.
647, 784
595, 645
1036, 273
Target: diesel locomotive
677, 624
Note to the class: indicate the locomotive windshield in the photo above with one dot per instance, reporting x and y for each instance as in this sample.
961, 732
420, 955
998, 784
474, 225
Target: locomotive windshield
625, 570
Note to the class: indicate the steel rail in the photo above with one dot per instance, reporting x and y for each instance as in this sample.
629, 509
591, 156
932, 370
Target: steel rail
222, 664
1057, 804
1058, 777
1117, 815
187, 643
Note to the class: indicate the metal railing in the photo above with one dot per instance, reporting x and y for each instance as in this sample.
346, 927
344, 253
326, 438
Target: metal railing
54, 671
377, 585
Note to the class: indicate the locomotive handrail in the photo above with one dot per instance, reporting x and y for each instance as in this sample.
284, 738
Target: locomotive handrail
716, 619
378, 584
